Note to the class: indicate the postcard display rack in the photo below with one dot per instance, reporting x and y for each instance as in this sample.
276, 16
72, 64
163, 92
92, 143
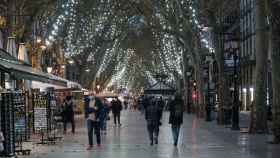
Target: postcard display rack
43, 112
40, 124
7, 124
52, 121
20, 122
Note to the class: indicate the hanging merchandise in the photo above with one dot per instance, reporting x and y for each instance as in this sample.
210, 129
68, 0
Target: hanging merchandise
2, 139
44, 105
7, 124
40, 102
20, 120
53, 109
20, 116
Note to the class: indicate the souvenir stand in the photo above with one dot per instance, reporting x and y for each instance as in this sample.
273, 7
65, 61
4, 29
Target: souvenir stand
7, 125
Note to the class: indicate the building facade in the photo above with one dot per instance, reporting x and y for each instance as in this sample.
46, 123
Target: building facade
248, 55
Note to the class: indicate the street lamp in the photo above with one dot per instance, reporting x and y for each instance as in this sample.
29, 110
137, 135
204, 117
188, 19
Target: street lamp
207, 77
71, 61
49, 69
233, 50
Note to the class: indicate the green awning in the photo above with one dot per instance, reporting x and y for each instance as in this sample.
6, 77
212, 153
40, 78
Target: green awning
19, 70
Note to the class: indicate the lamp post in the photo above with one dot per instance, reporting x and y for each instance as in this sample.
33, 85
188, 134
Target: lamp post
208, 104
188, 93
235, 106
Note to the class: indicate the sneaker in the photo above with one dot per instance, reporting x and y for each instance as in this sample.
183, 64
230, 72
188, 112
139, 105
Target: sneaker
89, 147
151, 143
175, 144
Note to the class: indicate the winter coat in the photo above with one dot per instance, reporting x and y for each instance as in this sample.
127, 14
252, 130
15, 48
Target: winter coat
104, 112
153, 114
68, 110
176, 112
116, 106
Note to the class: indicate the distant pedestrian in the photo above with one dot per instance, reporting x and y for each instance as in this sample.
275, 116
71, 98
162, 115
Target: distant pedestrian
176, 117
104, 116
116, 110
125, 103
93, 111
153, 117
68, 113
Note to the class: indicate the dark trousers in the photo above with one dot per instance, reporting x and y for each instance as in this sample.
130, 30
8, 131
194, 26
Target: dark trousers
153, 130
175, 132
117, 117
69, 120
93, 125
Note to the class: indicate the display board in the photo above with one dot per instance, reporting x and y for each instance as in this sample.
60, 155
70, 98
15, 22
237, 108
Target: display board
40, 113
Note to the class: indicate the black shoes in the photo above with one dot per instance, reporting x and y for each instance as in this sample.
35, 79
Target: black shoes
152, 143
156, 141
175, 144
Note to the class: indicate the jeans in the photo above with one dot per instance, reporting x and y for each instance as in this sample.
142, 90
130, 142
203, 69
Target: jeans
153, 130
104, 124
66, 121
96, 126
117, 116
175, 132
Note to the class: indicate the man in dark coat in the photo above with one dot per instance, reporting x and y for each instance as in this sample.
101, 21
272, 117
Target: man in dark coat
68, 113
116, 110
153, 116
176, 117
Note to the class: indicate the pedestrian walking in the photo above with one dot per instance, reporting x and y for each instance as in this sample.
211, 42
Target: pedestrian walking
116, 110
153, 117
125, 103
176, 117
104, 116
93, 111
68, 114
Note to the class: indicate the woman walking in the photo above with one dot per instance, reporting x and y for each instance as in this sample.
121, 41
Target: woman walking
93, 111
104, 115
176, 117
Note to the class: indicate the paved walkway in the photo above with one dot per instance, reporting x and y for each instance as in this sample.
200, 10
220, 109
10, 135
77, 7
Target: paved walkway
198, 140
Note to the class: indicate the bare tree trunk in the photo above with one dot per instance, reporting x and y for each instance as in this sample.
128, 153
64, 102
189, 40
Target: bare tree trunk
222, 86
186, 80
259, 113
275, 45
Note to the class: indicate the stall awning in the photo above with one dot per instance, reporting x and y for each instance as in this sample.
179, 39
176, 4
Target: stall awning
19, 70
160, 88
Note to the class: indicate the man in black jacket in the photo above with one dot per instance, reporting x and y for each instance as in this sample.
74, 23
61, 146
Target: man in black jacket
176, 117
153, 116
68, 113
116, 109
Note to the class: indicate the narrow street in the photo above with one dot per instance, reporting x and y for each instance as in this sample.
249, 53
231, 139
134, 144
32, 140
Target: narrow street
198, 140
